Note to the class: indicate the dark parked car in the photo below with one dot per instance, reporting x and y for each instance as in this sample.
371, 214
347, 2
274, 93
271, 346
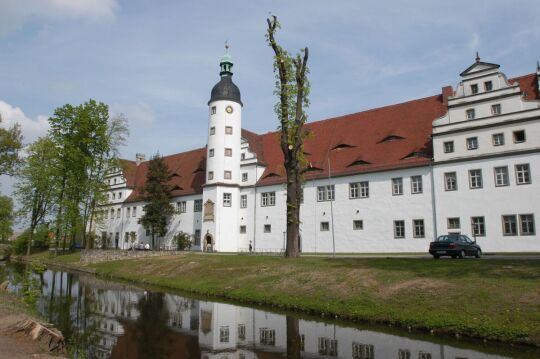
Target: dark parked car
454, 245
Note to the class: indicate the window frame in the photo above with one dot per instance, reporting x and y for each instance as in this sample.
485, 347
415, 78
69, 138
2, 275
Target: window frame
481, 181
522, 175
211, 152
210, 175
197, 205
448, 146
419, 224
243, 201
497, 177
474, 89
227, 199
416, 181
360, 227
482, 228
528, 233
242, 229
212, 130
268, 199
519, 133
472, 143
324, 226
488, 86
499, 135
470, 114
328, 193
228, 130
401, 228
267, 228
399, 182
447, 177
496, 109
450, 225
227, 174
228, 152
244, 176
504, 223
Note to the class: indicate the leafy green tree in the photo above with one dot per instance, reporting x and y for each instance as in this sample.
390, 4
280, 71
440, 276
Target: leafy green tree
35, 189
182, 241
292, 88
10, 145
157, 193
6, 218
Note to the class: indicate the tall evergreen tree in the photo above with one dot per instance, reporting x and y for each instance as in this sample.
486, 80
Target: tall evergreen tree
157, 193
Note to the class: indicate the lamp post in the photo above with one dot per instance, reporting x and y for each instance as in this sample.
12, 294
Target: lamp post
331, 206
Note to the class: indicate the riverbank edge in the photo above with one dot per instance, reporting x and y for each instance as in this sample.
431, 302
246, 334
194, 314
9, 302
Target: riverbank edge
467, 331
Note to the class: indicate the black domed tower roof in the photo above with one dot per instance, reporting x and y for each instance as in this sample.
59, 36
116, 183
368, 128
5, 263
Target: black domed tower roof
225, 89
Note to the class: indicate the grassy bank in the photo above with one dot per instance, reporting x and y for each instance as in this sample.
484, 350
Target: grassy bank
498, 300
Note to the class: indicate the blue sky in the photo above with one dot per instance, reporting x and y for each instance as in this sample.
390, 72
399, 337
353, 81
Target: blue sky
156, 61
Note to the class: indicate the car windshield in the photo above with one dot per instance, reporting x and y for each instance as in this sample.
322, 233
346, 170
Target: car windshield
447, 239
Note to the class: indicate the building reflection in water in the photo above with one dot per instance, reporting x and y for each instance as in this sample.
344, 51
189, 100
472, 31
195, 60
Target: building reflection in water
109, 320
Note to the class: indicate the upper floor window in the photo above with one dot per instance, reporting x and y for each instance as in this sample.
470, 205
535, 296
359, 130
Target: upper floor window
227, 175
519, 136
134, 212
128, 212
488, 86
358, 224
475, 179
416, 184
244, 177
213, 110
228, 152
211, 152
268, 199
119, 195
472, 143
501, 176
242, 156
243, 201
450, 181
448, 146
509, 225
523, 175
474, 89
197, 205
470, 114
359, 190
228, 130
227, 199
212, 130
453, 223
397, 186
267, 228
325, 226
496, 109
210, 175
498, 139
114, 196
118, 212
325, 193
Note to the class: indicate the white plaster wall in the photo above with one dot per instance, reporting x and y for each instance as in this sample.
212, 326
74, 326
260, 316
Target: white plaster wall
490, 202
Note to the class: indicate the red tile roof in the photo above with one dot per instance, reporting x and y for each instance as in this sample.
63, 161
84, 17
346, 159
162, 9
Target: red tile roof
390, 137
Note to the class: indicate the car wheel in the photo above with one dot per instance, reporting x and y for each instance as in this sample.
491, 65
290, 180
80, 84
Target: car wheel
436, 256
478, 253
462, 254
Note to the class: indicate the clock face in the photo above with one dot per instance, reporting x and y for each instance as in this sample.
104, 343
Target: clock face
229, 109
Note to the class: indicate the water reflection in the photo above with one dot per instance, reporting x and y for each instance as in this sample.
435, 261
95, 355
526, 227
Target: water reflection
108, 320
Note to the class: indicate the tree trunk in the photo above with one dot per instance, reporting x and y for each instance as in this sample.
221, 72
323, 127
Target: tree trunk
59, 218
293, 338
29, 246
293, 216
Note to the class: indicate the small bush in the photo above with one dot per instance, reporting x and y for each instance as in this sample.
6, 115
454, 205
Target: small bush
182, 241
40, 240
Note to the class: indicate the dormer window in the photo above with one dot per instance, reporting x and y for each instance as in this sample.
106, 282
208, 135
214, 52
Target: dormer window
470, 114
474, 89
496, 109
488, 86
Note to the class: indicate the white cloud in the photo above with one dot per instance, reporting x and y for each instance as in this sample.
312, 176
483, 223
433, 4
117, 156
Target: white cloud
136, 113
31, 128
14, 13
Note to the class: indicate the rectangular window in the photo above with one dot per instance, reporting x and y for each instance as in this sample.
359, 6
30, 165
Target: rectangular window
212, 131
197, 205
267, 228
475, 179
523, 175
526, 224
399, 229
472, 143
213, 110
228, 130
474, 89
418, 225
210, 175
397, 186
243, 201
353, 190
478, 226
488, 85
498, 139
197, 238
211, 152
224, 334
416, 184
241, 331
470, 114
181, 206
501, 176
244, 177
359, 190
118, 213
450, 181
325, 193
325, 226
267, 336
363, 351
227, 175
496, 109
228, 152
134, 212
119, 195
242, 229
112, 213
358, 224
519, 136
128, 212
404, 354
328, 347
268, 199
453, 223
448, 146
227, 199
509, 225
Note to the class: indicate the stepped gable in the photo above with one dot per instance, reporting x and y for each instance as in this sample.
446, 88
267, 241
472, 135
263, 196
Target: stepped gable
188, 172
129, 171
255, 144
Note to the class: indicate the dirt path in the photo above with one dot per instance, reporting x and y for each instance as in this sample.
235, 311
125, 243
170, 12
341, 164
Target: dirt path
17, 345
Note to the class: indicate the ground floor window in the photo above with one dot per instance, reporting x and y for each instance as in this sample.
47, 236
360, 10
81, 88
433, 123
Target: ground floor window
478, 225
453, 223
267, 228
267, 336
325, 226
242, 229
509, 225
399, 229
197, 238
526, 224
419, 231
358, 224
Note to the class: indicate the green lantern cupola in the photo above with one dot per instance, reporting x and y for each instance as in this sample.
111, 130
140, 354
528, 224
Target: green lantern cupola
226, 63
225, 89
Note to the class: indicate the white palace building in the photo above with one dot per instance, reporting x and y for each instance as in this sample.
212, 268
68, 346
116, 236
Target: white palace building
389, 179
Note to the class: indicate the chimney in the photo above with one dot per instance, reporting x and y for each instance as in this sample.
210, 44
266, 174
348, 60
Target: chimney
139, 157
447, 92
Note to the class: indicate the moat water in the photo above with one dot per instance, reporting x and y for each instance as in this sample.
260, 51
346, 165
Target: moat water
106, 319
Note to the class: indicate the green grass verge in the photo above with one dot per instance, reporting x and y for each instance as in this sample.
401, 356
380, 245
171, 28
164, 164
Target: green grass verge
496, 300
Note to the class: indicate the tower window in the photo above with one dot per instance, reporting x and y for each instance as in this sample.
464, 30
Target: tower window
210, 175
228, 152
498, 139
227, 175
242, 229
470, 114
227, 199
474, 89
472, 143
228, 130
449, 147
213, 110
267, 228
211, 152
212, 130
496, 109
358, 224
244, 177
488, 85
325, 226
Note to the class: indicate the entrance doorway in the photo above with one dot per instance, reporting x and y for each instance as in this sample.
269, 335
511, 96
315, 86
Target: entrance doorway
208, 245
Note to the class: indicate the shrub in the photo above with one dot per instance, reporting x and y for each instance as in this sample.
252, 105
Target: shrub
182, 241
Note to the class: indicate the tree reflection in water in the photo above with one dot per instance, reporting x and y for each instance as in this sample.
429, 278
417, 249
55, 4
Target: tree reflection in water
152, 326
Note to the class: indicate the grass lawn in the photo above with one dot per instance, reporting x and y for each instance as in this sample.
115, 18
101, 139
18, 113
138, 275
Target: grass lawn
479, 298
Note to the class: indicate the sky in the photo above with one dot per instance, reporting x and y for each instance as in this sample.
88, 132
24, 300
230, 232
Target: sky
156, 61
